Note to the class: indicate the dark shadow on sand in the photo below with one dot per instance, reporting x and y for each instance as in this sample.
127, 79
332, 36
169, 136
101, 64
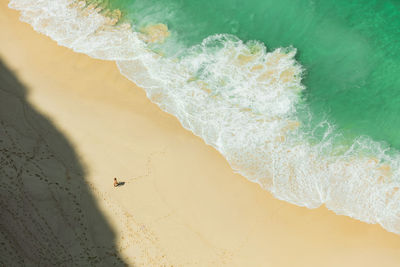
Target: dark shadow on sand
48, 216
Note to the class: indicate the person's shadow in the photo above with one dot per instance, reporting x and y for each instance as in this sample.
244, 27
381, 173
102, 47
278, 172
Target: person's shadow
48, 216
120, 184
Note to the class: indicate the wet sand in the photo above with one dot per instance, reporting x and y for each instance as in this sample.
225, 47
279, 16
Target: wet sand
181, 203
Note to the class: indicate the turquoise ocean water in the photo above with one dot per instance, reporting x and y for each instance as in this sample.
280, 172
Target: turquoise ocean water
349, 49
301, 97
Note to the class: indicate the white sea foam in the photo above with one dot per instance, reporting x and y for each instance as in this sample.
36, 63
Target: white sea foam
240, 99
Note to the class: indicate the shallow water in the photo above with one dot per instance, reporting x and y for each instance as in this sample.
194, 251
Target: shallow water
350, 50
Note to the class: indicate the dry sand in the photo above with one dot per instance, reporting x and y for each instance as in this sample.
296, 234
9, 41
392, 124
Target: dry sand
181, 204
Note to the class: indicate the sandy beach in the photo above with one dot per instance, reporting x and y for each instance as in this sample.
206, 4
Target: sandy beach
180, 205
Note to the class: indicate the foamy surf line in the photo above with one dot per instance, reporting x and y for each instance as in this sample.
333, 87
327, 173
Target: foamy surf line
240, 99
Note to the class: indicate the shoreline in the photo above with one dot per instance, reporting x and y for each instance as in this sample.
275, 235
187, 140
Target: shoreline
182, 204
282, 153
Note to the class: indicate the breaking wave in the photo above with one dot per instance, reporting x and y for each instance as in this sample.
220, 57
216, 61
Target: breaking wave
243, 100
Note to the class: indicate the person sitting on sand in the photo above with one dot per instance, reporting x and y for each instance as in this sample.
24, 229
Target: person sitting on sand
115, 182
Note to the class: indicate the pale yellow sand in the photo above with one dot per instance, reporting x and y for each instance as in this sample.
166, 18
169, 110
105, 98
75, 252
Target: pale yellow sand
181, 204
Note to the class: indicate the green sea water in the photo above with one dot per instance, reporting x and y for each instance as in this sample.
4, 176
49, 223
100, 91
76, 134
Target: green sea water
350, 50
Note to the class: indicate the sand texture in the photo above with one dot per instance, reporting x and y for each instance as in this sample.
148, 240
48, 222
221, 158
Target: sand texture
69, 124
